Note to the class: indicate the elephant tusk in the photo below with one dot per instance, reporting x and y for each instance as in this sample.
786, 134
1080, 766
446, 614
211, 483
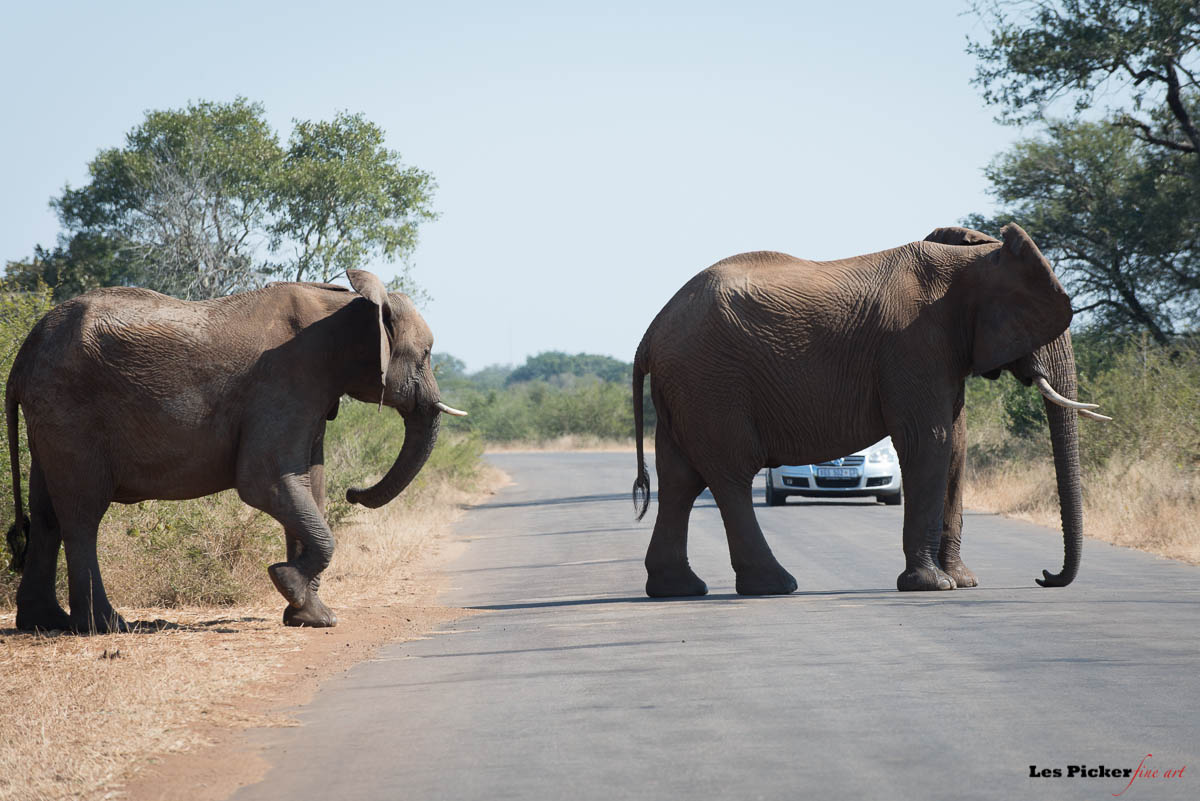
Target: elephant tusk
1102, 418
1044, 387
441, 407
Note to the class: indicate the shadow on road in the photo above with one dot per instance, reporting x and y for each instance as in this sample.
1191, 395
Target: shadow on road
705, 499
559, 565
858, 503
642, 599
549, 649
622, 496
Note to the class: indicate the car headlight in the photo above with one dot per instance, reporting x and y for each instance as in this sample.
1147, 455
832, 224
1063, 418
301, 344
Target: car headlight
883, 455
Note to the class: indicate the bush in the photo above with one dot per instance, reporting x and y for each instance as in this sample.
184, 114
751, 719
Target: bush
1153, 395
1151, 392
19, 311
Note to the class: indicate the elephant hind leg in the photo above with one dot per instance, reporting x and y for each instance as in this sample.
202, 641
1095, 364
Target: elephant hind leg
91, 612
37, 602
758, 572
669, 575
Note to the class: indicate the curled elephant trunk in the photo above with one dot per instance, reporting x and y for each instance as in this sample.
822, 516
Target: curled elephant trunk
420, 435
1058, 361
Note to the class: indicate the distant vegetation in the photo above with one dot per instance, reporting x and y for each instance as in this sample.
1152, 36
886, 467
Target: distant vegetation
551, 395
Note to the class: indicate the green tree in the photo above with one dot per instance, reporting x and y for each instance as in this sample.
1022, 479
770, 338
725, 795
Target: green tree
1111, 211
78, 263
185, 202
448, 366
343, 197
494, 376
203, 201
1144, 52
552, 364
1116, 203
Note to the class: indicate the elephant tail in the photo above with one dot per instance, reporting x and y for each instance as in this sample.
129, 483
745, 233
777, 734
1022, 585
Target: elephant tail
18, 533
641, 486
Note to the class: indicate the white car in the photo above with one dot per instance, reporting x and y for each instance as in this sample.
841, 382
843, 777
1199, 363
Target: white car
871, 471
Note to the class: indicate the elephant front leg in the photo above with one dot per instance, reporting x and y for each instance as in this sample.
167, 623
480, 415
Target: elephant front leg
948, 552
310, 546
314, 613
925, 464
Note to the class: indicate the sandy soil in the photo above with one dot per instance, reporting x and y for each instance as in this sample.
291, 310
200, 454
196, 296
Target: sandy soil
162, 713
226, 760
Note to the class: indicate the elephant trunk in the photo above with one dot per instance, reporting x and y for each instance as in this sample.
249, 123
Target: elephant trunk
420, 434
1058, 362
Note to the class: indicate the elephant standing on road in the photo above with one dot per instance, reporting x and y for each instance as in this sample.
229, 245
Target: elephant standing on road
764, 359
131, 395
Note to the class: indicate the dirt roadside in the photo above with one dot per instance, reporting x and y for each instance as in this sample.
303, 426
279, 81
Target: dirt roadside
227, 760
161, 714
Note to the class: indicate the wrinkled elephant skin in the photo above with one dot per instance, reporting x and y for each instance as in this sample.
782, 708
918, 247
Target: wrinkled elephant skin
130, 395
764, 360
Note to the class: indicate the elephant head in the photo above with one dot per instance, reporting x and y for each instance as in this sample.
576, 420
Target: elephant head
1019, 315
404, 381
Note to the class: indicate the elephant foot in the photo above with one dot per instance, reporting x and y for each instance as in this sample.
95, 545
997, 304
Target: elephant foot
962, 575
42, 617
767, 581
674, 584
924, 578
100, 622
291, 583
314, 614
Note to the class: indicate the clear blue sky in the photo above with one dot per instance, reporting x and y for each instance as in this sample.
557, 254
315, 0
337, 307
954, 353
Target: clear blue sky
590, 157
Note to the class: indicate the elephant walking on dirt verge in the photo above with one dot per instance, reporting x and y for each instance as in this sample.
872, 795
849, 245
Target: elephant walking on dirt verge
764, 359
131, 395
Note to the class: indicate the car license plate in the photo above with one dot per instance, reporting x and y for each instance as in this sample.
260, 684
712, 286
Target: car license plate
837, 472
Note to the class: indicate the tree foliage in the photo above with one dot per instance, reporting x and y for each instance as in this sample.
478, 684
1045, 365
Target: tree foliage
1112, 212
203, 201
553, 364
1143, 51
185, 200
1113, 199
78, 263
345, 198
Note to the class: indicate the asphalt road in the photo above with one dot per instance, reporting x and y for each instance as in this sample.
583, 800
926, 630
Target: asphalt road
572, 685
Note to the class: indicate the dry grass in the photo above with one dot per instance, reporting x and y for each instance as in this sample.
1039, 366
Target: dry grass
80, 712
84, 715
571, 442
1149, 504
377, 552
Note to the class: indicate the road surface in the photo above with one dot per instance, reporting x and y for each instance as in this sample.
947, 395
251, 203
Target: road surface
570, 684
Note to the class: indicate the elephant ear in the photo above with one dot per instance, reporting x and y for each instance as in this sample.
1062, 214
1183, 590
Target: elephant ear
1020, 305
371, 288
957, 235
